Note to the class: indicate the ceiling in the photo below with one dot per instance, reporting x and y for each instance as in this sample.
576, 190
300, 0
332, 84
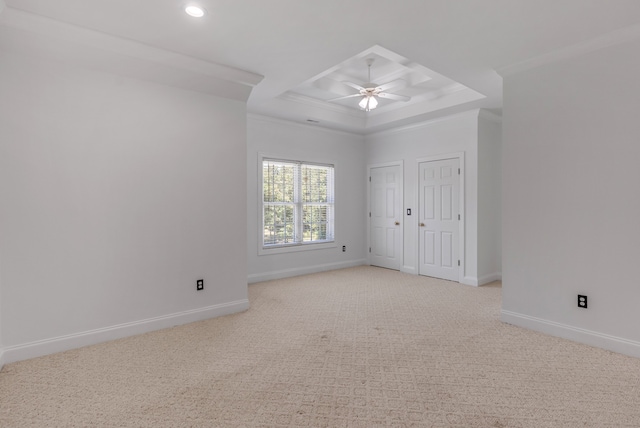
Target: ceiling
294, 54
423, 90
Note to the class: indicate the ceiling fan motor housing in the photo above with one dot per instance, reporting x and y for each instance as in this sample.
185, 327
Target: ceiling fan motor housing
370, 89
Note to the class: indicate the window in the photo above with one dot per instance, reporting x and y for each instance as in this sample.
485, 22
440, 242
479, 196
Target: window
297, 203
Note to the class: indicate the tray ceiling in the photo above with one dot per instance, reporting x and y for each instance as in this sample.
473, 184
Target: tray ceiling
427, 89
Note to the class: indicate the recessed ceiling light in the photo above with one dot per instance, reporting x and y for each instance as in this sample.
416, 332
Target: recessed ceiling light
195, 11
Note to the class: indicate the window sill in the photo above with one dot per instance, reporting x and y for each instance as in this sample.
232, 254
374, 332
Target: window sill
295, 248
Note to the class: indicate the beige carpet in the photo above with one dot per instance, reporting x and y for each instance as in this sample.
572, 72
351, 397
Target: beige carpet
360, 347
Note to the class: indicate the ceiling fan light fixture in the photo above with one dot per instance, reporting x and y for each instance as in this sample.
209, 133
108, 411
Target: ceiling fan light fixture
368, 102
373, 102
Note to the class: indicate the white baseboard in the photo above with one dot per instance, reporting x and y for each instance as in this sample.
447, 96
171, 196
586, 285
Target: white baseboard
592, 338
486, 279
467, 280
476, 282
470, 280
305, 270
79, 340
409, 269
1, 358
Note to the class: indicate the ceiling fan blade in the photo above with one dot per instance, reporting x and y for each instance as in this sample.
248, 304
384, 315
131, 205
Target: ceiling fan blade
354, 85
394, 97
334, 86
343, 98
398, 84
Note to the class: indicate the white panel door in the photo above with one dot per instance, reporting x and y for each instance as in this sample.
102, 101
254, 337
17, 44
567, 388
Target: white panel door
438, 217
386, 217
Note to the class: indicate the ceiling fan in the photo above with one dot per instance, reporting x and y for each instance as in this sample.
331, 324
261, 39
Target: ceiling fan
369, 92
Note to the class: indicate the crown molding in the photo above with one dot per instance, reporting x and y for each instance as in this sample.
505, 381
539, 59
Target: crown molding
116, 52
610, 39
474, 113
320, 128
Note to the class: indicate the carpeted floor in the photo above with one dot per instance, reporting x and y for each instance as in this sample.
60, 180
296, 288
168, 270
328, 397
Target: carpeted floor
359, 347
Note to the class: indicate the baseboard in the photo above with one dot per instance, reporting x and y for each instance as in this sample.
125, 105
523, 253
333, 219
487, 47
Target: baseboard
476, 282
486, 279
470, 280
592, 338
92, 337
409, 269
286, 273
1, 358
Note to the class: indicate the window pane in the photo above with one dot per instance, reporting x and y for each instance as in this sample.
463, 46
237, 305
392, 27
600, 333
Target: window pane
322, 231
278, 181
315, 219
279, 224
314, 183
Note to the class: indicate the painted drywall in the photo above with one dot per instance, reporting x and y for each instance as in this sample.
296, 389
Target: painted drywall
1, 342
453, 134
289, 140
489, 198
116, 195
570, 197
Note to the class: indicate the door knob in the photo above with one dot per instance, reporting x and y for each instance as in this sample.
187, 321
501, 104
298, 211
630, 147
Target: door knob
397, 223
421, 224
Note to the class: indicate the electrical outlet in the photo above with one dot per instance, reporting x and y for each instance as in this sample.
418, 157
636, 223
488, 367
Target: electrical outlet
344, 248
582, 301
200, 284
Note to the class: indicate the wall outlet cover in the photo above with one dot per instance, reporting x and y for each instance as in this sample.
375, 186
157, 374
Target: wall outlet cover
582, 301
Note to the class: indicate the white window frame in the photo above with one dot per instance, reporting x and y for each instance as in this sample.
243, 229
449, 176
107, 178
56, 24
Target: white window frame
294, 246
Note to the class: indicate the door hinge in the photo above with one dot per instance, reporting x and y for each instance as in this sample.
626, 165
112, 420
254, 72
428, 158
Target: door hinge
369, 213
458, 262
458, 216
458, 171
369, 179
369, 249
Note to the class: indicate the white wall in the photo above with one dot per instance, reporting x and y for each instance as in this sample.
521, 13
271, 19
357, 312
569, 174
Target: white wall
115, 196
489, 198
571, 205
453, 134
1, 342
290, 140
